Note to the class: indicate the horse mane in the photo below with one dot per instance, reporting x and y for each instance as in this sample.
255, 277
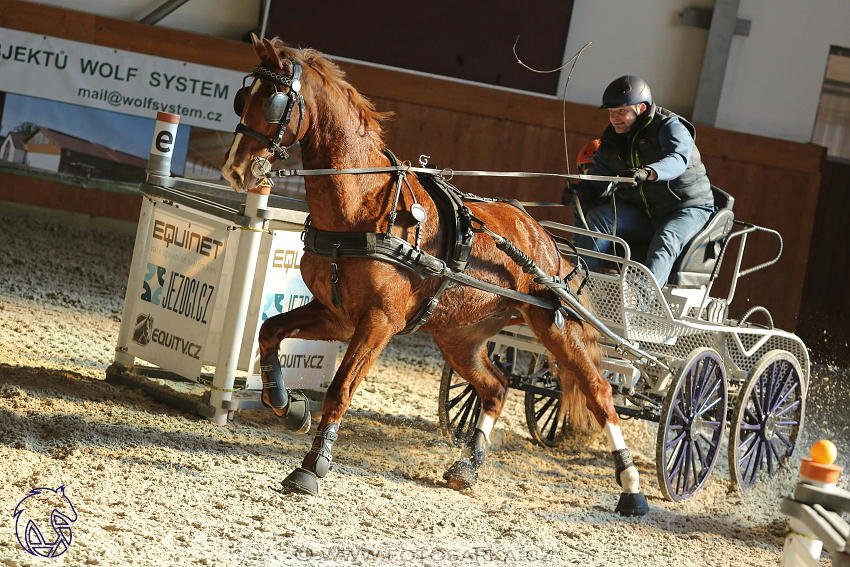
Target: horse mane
334, 77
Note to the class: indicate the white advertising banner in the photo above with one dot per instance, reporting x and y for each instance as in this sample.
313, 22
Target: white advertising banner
116, 80
305, 364
174, 298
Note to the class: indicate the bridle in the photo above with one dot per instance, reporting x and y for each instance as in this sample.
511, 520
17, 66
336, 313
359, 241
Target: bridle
278, 108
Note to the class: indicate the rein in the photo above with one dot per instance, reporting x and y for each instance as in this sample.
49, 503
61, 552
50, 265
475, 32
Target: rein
446, 173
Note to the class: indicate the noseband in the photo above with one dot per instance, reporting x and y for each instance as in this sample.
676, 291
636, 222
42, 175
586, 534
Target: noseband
278, 108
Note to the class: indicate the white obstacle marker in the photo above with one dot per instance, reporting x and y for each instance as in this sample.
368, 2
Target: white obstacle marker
207, 270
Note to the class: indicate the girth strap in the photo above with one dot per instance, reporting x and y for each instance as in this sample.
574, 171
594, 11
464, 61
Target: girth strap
399, 252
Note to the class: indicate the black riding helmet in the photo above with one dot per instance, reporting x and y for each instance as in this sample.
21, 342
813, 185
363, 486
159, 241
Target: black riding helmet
628, 90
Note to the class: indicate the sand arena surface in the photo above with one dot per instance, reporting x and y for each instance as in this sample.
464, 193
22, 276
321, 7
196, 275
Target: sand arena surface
153, 486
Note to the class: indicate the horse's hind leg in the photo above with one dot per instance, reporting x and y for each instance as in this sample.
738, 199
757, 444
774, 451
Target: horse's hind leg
577, 353
467, 355
312, 322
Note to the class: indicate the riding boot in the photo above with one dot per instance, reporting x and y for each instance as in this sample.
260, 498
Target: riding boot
293, 408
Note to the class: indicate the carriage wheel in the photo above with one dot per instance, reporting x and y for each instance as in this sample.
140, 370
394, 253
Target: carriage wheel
767, 419
460, 407
459, 403
541, 410
691, 426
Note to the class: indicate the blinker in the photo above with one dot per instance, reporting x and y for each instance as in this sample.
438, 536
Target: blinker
275, 107
239, 101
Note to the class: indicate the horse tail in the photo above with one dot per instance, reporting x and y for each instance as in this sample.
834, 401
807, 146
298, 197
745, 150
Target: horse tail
573, 402
573, 412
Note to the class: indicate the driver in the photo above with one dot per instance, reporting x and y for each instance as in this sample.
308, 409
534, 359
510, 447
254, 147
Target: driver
670, 199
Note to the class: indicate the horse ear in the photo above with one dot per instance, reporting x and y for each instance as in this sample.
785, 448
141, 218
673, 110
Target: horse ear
272, 54
259, 49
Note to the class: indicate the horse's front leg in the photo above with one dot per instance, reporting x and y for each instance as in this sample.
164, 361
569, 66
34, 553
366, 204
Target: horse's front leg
370, 338
312, 321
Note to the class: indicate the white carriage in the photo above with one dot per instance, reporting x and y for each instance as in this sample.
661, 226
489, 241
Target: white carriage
705, 370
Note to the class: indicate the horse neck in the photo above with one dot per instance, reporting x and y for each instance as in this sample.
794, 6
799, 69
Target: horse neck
345, 202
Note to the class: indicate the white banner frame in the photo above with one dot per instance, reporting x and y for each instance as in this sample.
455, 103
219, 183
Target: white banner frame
117, 80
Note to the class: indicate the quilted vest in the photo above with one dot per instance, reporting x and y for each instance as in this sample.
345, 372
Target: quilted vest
642, 147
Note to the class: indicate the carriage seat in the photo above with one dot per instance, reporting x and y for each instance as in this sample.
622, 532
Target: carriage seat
694, 266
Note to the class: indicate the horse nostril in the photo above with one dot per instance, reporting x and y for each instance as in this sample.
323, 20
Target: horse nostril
235, 179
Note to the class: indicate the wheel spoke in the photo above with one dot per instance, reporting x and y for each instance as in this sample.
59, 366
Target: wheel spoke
461, 413
675, 465
538, 414
757, 461
686, 476
748, 454
790, 407
754, 396
768, 456
752, 418
452, 402
709, 407
672, 461
708, 440
670, 444
462, 418
709, 374
697, 465
679, 413
788, 444
776, 455
781, 400
711, 399
701, 455
775, 401
550, 416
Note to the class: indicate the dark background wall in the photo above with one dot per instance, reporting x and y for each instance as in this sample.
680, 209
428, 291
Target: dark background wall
469, 39
825, 310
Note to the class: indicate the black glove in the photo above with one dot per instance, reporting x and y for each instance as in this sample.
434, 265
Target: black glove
568, 197
640, 175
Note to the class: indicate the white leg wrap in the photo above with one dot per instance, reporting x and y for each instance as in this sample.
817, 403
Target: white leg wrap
485, 424
629, 477
615, 437
630, 480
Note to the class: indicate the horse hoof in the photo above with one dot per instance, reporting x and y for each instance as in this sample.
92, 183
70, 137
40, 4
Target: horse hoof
632, 504
301, 481
461, 475
298, 418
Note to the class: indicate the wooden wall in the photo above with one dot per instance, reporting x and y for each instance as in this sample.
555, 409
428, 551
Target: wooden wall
467, 126
825, 310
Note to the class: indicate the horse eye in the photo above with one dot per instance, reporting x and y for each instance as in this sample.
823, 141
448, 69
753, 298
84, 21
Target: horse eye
239, 102
275, 107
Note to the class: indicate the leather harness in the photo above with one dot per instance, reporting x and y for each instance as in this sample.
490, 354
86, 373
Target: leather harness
387, 247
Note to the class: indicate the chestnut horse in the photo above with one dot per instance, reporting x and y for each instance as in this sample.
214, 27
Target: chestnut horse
301, 96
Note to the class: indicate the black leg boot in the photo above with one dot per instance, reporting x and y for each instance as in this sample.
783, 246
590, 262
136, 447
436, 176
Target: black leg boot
294, 408
303, 481
464, 473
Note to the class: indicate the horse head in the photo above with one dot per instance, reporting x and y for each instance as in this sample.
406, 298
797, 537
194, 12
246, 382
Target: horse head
272, 114
298, 96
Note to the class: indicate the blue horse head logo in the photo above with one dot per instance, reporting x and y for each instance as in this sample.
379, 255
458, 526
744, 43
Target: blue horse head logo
38, 508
